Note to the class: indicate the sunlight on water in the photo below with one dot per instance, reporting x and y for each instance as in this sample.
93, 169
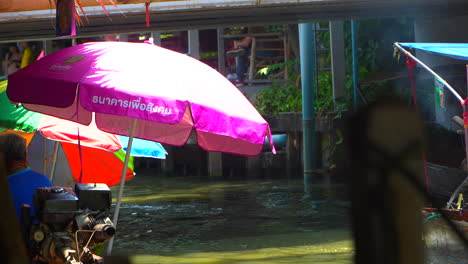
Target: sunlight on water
164, 196
184, 220
334, 252
207, 190
192, 220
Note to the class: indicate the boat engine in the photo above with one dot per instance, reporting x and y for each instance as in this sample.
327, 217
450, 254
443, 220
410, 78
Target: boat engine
69, 224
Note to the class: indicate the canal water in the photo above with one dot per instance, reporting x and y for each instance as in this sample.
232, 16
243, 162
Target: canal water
202, 220
211, 220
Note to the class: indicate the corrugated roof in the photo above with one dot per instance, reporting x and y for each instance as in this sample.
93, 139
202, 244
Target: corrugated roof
182, 15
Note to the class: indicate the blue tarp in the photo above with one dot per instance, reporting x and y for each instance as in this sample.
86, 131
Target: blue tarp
144, 148
457, 51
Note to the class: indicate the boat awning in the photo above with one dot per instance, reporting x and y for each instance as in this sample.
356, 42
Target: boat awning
457, 51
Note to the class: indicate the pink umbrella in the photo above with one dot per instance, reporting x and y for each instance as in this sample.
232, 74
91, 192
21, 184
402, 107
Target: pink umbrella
170, 94
66, 131
144, 91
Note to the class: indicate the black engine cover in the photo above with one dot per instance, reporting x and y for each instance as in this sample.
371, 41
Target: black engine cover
55, 205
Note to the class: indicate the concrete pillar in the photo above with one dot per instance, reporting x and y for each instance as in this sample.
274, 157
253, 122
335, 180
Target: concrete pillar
156, 38
338, 64
354, 52
293, 154
194, 44
221, 48
253, 166
167, 165
47, 46
215, 164
122, 37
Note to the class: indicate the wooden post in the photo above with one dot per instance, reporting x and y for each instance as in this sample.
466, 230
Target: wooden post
45, 157
215, 164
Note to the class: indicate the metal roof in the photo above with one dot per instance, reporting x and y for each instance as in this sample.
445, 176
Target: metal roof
199, 14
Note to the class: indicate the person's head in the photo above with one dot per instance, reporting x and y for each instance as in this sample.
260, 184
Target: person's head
13, 48
26, 44
14, 152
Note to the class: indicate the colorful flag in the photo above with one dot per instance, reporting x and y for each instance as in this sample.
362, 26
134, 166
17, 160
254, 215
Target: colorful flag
439, 93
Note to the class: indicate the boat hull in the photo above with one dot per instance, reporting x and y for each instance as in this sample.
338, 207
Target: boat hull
440, 237
443, 181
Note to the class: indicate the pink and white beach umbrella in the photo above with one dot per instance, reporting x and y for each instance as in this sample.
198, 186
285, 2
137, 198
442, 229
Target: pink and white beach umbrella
144, 91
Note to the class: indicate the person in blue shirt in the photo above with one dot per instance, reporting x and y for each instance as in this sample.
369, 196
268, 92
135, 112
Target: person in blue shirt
22, 181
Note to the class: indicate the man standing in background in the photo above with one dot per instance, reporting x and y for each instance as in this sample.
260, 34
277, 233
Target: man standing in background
22, 181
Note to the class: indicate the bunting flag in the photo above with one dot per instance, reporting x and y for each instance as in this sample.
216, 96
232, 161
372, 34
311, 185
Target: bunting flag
439, 93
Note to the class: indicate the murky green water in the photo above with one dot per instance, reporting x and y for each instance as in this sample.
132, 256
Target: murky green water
192, 220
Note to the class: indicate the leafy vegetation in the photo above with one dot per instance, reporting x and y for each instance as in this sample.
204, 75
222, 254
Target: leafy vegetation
287, 96
280, 97
330, 145
375, 54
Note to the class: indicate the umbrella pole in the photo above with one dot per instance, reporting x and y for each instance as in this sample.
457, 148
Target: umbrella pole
54, 161
44, 155
122, 183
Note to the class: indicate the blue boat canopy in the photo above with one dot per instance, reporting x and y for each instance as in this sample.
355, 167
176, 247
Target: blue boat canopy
457, 51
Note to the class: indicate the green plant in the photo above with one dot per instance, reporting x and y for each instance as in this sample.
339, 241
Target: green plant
271, 69
330, 145
287, 96
279, 98
323, 101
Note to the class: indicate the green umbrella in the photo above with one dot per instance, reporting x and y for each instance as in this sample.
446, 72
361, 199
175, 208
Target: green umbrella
15, 117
